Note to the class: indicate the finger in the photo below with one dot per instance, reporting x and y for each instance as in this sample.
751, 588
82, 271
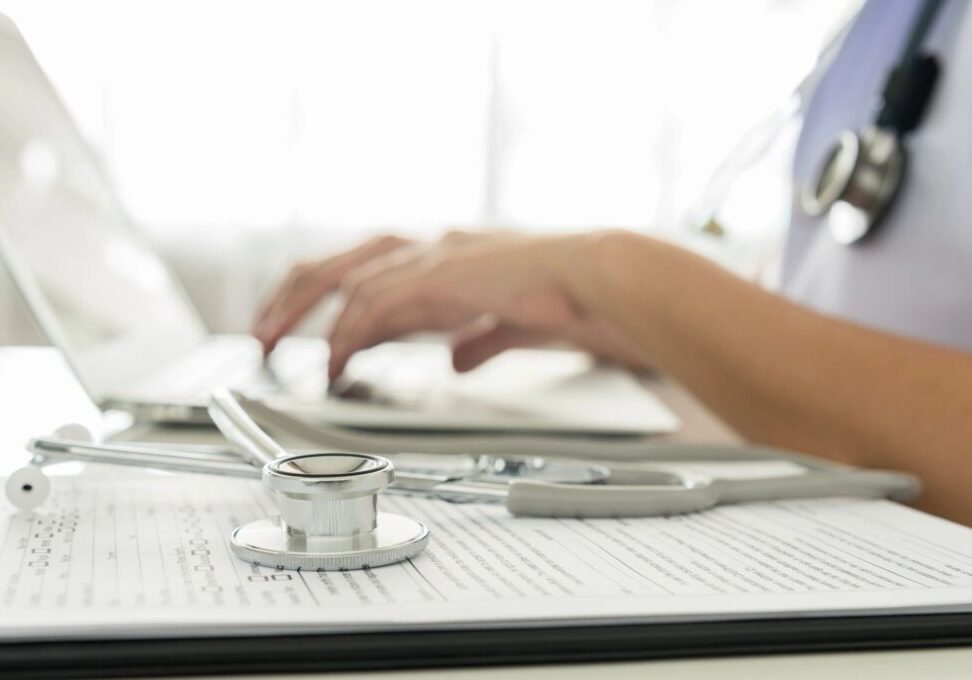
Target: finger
330, 270
364, 283
327, 271
394, 326
292, 304
383, 321
387, 307
308, 282
279, 292
468, 281
360, 293
474, 350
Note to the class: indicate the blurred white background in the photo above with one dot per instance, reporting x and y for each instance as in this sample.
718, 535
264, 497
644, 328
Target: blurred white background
244, 134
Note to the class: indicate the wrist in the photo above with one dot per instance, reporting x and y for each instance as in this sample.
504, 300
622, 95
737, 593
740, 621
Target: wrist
602, 269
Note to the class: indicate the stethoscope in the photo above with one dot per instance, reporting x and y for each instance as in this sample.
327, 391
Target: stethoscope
328, 501
862, 174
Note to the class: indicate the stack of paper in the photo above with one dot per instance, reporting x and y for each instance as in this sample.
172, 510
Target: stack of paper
150, 556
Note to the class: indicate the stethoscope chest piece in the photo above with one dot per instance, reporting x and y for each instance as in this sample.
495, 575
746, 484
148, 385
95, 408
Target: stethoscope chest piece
328, 516
861, 175
857, 183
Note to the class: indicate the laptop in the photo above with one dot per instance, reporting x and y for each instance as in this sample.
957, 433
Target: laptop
103, 295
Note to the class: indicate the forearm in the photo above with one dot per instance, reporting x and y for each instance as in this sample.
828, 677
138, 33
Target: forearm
784, 375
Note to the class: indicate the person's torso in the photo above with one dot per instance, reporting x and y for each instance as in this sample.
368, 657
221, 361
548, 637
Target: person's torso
913, 276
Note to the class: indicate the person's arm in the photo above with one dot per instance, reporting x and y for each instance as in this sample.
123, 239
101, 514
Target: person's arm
777, 372
782, 374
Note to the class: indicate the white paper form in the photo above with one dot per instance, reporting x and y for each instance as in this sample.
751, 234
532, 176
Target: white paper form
149, 555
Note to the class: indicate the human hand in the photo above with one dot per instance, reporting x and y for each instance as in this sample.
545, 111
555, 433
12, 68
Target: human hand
495, 290
307, 283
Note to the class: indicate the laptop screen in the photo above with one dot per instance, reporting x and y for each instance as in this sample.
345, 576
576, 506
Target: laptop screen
97, 289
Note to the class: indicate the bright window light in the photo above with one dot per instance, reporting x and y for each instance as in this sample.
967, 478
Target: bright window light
351, 115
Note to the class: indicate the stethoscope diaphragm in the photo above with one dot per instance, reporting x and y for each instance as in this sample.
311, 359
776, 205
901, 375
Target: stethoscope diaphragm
856, 183
328, 516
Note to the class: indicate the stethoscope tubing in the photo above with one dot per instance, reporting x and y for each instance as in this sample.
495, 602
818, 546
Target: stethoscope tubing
546, 499
51, 450
670, 494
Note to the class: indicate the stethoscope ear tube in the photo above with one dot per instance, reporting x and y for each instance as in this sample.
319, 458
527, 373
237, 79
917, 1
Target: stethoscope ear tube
237, 426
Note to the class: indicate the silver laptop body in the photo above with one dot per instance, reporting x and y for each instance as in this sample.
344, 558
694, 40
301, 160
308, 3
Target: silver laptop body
104, 296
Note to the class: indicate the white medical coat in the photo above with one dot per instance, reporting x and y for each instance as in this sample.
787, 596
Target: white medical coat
914, 275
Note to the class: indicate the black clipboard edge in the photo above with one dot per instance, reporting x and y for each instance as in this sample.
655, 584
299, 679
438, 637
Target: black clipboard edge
502, 646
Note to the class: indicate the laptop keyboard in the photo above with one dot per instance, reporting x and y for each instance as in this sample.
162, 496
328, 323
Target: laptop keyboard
220, 361
298, 367
397, 374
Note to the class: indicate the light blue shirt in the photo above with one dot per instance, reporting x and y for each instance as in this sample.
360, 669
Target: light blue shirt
914, 275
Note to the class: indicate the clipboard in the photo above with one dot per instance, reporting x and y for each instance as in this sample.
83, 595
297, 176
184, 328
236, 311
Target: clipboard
484, 647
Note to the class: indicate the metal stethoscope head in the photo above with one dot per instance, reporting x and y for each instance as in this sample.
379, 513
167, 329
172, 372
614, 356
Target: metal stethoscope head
857, 183
328, 503
329, 517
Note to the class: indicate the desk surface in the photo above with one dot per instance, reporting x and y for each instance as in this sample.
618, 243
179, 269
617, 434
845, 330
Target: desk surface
38, 394
950, 664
